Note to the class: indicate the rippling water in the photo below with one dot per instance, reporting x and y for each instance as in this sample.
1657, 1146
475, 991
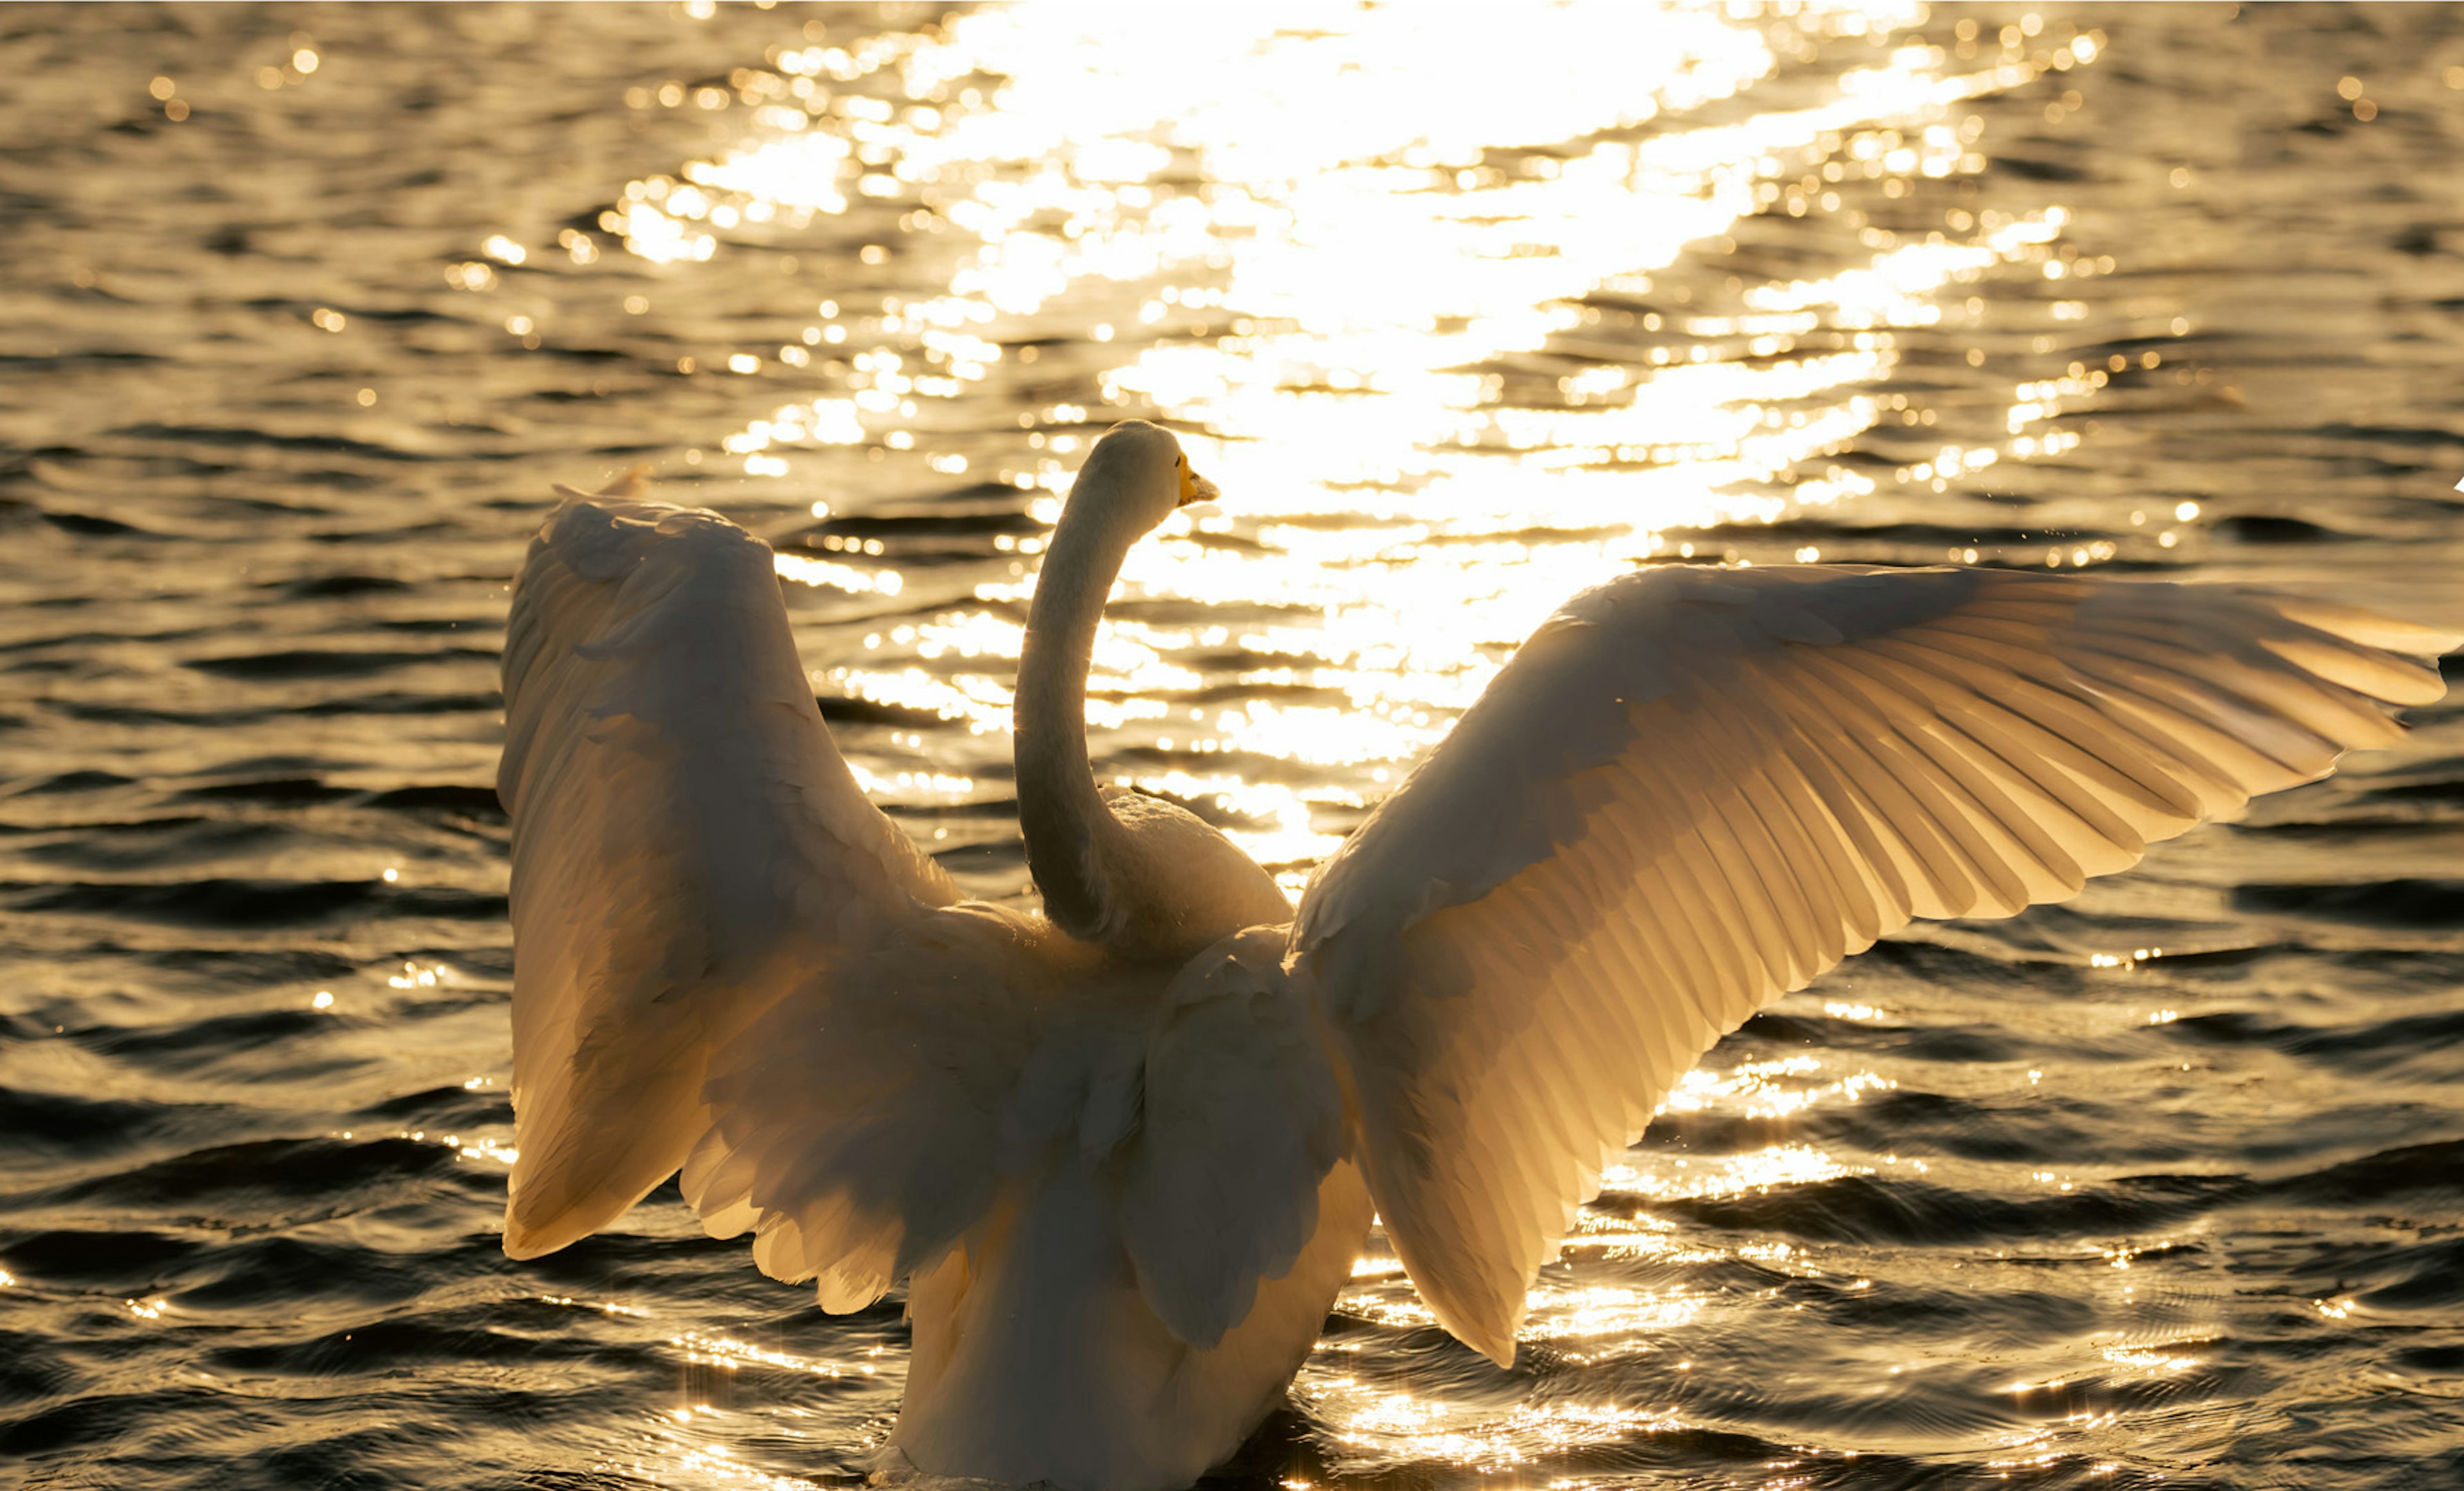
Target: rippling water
1463, 308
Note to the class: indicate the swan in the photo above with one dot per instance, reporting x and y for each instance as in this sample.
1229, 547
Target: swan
1124, 1151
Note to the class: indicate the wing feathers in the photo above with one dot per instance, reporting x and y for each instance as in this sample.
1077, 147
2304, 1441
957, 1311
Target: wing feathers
678, 811
1693, 791
2083, 786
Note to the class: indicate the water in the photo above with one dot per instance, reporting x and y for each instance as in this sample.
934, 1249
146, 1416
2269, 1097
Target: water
1463, 309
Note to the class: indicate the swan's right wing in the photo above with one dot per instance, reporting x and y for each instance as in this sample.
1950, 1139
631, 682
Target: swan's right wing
687, 845
1694, 791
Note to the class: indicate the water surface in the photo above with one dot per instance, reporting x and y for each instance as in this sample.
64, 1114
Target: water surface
1463, 308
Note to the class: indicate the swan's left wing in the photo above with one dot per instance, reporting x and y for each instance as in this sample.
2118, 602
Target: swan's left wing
687, 845
1693, 791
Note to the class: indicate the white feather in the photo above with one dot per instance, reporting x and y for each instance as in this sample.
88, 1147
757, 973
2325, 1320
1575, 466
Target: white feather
1693, 791
687, 845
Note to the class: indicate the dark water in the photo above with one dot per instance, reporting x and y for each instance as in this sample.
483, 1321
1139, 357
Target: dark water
1463, 309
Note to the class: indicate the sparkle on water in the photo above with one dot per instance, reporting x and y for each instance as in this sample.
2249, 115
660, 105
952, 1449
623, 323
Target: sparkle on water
1329, 304
1462, 316
1325, 308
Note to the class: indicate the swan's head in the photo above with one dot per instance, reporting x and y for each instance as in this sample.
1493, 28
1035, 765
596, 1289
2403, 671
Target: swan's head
1137, 474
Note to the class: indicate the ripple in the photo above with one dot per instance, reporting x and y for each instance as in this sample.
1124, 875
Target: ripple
275, 1169
1871, 1209
233, 435
333, 586
80, 781
382, 1346
251, 904
2412, 1175
444, 797
55, 1125
287, 790
316, 663
122, 1258
1878, 284
91, 525
2411, 902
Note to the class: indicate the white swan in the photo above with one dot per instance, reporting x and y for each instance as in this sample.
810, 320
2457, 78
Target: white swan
1126, 1151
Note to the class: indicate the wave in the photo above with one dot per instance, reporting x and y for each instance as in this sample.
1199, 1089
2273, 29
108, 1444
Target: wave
251, 903
319, 663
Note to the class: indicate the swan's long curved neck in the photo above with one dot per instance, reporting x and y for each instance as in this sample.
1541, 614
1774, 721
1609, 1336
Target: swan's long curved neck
1071, 836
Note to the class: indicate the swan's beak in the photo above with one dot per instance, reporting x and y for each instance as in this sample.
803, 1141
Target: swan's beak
1195, 488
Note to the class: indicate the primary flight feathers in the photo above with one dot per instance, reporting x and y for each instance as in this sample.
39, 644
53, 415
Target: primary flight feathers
1695, 789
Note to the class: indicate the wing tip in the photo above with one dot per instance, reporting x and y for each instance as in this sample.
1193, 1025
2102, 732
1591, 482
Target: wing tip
2369, 627
1499, 1346
1494, 1338
626, 488
529, 1234
525, 1243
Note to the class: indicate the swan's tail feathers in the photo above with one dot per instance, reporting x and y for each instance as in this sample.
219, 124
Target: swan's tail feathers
687, 844
1693, 791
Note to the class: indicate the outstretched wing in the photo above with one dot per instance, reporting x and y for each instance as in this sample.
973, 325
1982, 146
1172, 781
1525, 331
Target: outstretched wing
1694, 791
687, 844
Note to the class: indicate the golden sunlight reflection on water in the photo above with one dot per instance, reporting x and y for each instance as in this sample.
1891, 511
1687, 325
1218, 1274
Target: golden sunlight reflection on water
1463, 306
1331, 303
1401, 286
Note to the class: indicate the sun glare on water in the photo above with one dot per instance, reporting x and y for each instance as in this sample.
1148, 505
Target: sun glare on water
1395, 283
1425, 295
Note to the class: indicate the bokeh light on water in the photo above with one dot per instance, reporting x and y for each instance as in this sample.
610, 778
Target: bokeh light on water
1463, 309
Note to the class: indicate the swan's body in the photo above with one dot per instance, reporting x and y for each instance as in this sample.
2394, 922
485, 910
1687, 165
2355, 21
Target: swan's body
1126, 1151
